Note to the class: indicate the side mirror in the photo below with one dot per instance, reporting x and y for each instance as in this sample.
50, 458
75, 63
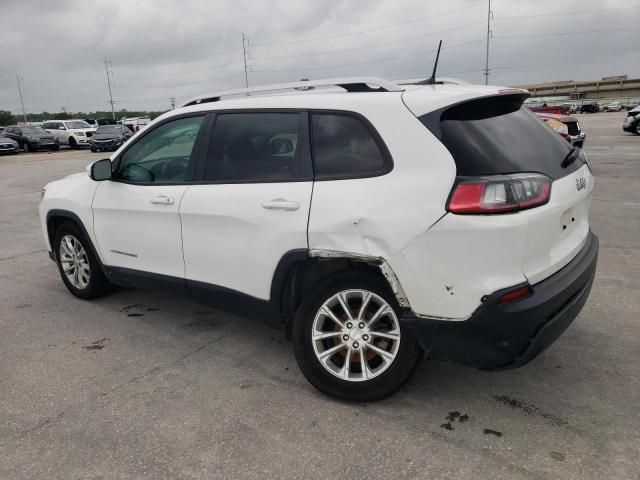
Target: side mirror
100, 170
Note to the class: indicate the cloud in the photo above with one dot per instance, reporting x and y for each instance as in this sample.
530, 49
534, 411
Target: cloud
160, 49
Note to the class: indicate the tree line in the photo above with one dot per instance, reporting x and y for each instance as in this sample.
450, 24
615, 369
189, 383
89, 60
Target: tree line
8, 118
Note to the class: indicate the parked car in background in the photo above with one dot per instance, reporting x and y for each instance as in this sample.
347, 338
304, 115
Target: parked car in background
109, 137
632, 121
614, 107
32, 138
544, 108
589, 107
75, 133
95, 123
136, 124
8, 145
633, 104
574, 135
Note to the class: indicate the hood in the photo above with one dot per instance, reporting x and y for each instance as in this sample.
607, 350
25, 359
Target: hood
8, 140
40, 136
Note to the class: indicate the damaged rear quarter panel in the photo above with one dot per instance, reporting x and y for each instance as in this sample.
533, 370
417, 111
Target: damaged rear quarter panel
377, 217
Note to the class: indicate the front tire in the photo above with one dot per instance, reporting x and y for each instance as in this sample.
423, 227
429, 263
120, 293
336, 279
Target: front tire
72, 143
78, 266
26, 147
348, 318
55, 148
638, 128
94, 150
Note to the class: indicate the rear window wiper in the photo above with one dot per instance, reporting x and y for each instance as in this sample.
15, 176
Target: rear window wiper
570, 157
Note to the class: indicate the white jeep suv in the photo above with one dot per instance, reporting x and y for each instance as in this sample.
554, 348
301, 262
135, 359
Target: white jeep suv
374, 222
75, 133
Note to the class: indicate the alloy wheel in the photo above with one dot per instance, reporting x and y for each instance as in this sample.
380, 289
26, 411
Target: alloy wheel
74, 262
356, 335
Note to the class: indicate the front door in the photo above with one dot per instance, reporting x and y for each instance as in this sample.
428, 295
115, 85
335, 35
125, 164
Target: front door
136, 220
251, 204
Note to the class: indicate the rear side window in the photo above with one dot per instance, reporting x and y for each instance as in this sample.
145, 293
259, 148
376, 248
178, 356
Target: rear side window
345, 147
258, 147
495, 135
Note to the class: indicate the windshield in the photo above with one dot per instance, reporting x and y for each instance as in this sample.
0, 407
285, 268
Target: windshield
77, 124
109, 129
32, 130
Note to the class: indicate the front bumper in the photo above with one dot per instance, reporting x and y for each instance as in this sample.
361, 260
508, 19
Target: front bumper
500, 336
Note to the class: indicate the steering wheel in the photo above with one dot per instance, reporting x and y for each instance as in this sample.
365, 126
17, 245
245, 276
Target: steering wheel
172, 169
135, 172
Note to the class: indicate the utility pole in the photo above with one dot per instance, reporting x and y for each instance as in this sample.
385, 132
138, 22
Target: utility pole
172, 100
245, 46
106, 68
24, 114
64, 109
489, 33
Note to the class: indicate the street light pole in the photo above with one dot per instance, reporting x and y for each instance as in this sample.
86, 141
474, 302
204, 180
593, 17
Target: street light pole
24, 114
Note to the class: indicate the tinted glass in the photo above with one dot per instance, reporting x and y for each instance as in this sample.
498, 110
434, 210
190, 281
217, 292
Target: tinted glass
495, 136
343, 146
163, 154
113, 129
32, 130
249, 147
77, 124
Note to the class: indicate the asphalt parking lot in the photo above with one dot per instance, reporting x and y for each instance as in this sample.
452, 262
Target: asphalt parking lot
141, 385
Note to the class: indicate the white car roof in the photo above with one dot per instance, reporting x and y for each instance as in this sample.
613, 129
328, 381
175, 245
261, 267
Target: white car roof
420, 99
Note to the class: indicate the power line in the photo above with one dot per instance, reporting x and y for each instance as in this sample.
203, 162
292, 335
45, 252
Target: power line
322, 67
245, 44
373, 45
415, 20
24, 113
486, 65
181, 84
582, 12
106, 68
560, 34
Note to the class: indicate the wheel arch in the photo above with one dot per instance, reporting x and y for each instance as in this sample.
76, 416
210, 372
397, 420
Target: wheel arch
299, 271
56, 218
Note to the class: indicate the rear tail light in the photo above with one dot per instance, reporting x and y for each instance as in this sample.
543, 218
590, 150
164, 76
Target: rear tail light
499, 194
514, 295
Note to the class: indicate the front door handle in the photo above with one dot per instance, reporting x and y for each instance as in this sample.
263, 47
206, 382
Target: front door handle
163, 200
281, 204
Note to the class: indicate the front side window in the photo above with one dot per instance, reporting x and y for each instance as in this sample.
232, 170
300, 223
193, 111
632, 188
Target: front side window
257, 147
162, 155
344, 147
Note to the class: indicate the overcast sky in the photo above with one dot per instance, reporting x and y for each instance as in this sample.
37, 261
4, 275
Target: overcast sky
160, 48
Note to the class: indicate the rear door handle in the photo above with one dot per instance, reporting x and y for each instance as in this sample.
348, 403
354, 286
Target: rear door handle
281, 204
163, 200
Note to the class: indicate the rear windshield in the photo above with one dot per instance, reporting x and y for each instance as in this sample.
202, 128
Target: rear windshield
495, 135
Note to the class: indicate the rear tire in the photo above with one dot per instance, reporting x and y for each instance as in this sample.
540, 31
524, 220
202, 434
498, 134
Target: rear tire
55, 148
368, 329
638, 128
79, 268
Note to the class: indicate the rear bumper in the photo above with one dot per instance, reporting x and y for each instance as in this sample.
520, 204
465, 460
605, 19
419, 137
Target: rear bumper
508, 336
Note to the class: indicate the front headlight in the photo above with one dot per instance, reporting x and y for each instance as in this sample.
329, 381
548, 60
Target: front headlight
80, 134
33, 139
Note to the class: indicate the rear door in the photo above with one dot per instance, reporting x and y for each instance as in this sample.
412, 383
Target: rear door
496, 136
251, 203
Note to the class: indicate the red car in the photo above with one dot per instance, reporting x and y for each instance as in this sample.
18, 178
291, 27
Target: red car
574, 135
